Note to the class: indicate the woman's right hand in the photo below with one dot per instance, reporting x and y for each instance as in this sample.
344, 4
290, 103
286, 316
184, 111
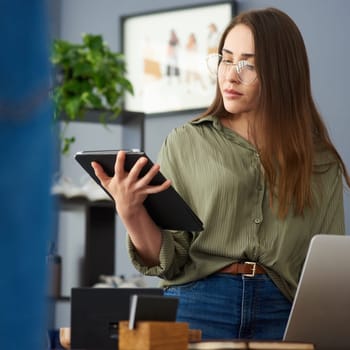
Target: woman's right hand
127, 189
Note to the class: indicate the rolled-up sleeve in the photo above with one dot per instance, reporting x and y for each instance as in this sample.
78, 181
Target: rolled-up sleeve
172, 257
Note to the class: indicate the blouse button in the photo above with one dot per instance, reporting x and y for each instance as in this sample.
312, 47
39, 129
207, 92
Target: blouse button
257, 220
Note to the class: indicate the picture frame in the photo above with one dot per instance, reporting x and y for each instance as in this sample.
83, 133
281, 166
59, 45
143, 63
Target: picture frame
165, 53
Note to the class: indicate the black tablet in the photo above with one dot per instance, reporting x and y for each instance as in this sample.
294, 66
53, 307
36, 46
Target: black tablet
168, 209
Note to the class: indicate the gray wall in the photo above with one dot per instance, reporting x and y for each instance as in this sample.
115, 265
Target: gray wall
324, 25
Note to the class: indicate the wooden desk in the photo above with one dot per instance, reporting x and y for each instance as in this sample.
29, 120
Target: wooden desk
194, 337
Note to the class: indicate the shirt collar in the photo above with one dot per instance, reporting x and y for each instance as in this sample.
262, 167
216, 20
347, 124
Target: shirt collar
228, 133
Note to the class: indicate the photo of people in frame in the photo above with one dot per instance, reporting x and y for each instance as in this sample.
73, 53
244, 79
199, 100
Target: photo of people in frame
171, 73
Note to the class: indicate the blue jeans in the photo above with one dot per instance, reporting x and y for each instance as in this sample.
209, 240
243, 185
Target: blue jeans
227, 306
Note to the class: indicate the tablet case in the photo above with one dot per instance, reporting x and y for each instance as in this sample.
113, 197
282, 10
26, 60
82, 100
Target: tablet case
167, 209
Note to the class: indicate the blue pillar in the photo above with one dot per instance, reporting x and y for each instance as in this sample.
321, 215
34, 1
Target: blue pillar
25, 173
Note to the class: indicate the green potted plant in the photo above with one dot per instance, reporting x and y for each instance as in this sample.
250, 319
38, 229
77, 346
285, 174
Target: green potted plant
89, 76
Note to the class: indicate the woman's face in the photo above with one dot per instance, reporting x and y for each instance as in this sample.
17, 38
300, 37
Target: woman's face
238, 98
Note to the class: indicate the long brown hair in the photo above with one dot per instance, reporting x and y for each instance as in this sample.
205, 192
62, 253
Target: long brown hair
289, 124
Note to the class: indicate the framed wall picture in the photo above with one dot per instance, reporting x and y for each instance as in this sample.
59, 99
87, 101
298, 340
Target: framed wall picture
166, 56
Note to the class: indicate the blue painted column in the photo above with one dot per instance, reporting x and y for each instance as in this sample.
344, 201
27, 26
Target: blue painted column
25, 173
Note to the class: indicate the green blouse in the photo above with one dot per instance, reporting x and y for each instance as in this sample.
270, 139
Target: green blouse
219, 175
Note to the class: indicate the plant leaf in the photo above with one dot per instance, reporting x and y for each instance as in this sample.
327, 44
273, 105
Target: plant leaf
88, 75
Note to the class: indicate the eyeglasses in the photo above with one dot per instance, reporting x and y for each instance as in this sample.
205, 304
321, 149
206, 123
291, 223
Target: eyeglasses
217, 64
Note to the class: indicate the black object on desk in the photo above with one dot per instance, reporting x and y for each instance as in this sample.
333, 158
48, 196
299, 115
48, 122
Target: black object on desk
96, 312
152, 308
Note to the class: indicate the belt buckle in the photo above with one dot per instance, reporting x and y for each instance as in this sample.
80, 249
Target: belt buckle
253, 265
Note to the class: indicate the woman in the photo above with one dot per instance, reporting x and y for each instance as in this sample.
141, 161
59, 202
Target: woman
259, 169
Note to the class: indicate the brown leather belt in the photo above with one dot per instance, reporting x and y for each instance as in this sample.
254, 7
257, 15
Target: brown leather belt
247, 269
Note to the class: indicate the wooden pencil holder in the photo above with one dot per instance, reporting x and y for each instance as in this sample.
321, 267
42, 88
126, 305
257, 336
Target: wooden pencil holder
153, 335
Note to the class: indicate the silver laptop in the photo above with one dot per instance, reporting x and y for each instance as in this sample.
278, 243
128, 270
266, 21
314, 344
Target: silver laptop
321, 310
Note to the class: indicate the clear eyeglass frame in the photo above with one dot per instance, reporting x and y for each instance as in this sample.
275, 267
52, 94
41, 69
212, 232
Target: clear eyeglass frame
245, 71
